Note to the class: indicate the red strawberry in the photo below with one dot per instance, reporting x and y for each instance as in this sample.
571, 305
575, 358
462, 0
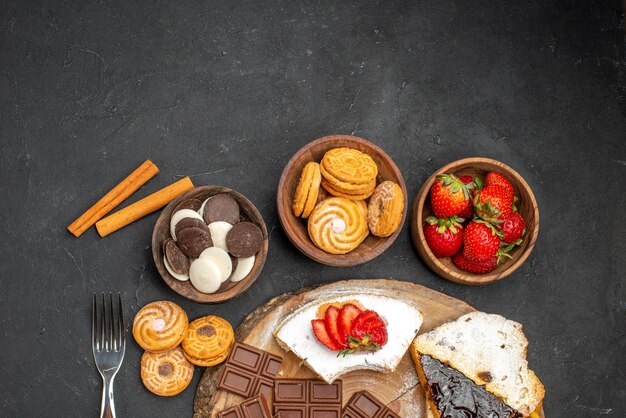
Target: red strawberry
448, 196
478, 267
375, 328
319, 329
332, 327
493, 204
472, 186
481, 241
512, 228
363, 317
444, 236
501, 180
347, 315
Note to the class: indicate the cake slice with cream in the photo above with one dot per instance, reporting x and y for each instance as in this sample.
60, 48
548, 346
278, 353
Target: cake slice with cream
374, 334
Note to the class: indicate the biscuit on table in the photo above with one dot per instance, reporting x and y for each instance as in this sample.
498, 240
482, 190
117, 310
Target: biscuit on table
166, 374
160, 326
207, 340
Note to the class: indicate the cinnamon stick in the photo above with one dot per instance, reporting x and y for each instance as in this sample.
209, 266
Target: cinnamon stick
114, 197
143, 207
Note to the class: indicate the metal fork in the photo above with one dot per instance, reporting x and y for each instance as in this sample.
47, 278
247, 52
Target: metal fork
108, 343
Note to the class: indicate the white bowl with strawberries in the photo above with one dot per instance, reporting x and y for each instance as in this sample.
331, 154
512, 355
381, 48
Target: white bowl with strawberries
474, 221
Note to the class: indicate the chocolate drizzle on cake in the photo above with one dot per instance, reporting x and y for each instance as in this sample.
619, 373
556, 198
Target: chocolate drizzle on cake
456, 396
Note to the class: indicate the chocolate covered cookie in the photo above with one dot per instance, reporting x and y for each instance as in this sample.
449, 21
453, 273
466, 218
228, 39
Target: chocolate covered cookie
221, 207
190, 223
192, 241
193, 204
178, 261
244, 239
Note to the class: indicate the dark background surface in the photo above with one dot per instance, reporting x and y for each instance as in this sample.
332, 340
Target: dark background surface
227, 92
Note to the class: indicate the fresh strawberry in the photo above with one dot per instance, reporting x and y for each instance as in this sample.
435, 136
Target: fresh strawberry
369, 333
472, 184
501, 180
444, 236
448, 196
481, 241
319, 329
512, 228
332, 327
363, 317
478, 267
347, 315
493, 204
375, 328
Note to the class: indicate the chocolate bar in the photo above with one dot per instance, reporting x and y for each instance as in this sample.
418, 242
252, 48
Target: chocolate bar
252, 408
250, 371
364, 405
307, 398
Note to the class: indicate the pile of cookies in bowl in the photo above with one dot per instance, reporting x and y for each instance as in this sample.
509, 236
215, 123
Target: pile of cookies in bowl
348, 198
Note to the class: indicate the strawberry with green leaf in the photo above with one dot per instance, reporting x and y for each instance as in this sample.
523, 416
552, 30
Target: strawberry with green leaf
448, 196
473, 184
477, 267
481, 241
493, 204
444, 236
501, 180
513, 229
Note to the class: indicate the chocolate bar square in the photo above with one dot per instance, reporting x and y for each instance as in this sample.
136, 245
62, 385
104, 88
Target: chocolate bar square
307, 398
250, 371
252, 408
364, 405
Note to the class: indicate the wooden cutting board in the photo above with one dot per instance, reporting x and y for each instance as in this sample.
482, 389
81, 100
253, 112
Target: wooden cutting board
400, 390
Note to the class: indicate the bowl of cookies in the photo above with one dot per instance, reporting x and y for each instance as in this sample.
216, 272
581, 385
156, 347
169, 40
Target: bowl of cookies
210, 244
341, 200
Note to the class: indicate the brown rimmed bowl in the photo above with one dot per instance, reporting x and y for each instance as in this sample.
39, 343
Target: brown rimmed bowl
296, 228
228, 290
527, 207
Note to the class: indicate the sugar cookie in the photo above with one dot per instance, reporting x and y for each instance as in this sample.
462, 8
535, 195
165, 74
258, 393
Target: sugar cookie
208, 339
337, 225
385, 209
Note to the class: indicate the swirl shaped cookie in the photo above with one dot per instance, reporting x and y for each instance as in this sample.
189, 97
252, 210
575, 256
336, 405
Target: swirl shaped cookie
208, 340
385, 208
337, 225
166, 374
307, 190
160, 326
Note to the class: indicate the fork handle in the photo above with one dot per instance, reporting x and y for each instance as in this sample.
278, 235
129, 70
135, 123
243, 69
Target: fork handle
107, 409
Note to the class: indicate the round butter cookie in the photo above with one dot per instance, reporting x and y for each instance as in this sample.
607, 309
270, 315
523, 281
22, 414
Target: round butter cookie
349, 187
384, 212
349, 165
348, 194
160, 326
166, 374
337, 225
208, 339
210, 362
308, 185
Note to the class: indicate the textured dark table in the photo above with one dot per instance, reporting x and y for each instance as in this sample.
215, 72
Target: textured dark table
227, 91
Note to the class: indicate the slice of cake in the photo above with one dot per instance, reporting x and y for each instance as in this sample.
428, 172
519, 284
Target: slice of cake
476, 366
351, 332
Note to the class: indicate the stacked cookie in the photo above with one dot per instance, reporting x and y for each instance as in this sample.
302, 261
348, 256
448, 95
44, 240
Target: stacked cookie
210, 243
173, 345
332, 194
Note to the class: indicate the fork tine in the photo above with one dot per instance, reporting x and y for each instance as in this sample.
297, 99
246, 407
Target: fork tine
121, 326
114, 331
94, 325
103, 323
